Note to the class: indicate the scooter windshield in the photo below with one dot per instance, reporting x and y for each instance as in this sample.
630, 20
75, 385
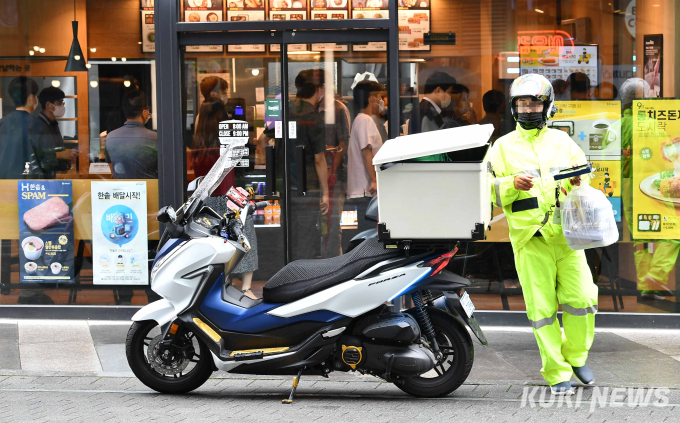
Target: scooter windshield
225, 164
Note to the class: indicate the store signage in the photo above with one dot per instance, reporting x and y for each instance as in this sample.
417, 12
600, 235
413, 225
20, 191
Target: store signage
653, 63
45, 231
655, 185
235, 133
272, 108
446, 39
120, 250
540, 40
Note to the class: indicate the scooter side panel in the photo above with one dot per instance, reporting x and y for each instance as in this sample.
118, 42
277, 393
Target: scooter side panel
356, 297
195, 254
161, 311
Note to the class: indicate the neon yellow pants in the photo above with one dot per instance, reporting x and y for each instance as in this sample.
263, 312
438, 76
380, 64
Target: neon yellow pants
552, 272
657, 265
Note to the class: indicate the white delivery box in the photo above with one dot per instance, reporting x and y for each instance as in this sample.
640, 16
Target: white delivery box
427, 202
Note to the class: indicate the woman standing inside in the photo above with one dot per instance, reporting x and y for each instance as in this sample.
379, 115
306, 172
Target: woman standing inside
205, 152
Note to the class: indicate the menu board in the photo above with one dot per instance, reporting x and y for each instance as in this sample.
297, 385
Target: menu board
330, 10
242, 11
203, 11
558, 62
120, 249
148, 32
370, 9
288, 10
414, 23
45, 231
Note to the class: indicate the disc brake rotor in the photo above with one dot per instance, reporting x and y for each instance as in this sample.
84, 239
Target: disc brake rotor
167, 361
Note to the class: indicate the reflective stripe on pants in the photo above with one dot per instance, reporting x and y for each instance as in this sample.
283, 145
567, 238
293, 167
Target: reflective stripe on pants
550, 272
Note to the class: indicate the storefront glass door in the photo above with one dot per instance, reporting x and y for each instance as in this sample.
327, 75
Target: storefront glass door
300, 109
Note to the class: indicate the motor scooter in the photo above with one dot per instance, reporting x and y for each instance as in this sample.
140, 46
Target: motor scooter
315, 317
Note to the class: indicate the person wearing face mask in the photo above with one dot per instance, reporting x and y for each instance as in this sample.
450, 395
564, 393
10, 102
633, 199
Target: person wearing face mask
550, 272
45, 129
428, 116
132, 149
211, 88
17, 144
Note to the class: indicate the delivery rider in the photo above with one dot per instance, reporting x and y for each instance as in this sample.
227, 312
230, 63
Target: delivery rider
524, 163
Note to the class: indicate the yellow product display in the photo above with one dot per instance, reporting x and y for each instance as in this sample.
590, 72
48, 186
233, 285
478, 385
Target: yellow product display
593, 125
539, 265
655, 170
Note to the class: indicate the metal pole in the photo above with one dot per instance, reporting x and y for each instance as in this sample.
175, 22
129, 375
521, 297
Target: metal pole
393, 72
171, 176
287, 245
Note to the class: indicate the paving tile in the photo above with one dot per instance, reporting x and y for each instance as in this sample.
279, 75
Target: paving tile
9, 347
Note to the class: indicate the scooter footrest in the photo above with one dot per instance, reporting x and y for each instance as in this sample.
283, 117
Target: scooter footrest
248, 356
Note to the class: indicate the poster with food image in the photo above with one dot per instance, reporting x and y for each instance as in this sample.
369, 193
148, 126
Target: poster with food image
330, 10
370, 9
287, 15
656, 169
244, 14
203, 11
45, 231
147, 4
120, 249
413, 25
607, 178
148, 32
558, 62
278, 5
594, 125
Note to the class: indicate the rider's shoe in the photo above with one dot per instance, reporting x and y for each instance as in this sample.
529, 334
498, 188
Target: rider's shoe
584, 374
562, 388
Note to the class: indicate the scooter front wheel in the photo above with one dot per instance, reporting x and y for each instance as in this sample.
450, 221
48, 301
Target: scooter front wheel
177, 369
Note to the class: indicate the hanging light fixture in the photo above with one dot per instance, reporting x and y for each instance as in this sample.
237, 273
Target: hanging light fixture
76, 59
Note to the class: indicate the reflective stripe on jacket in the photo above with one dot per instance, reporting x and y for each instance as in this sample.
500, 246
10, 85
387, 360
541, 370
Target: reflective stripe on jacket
541, 154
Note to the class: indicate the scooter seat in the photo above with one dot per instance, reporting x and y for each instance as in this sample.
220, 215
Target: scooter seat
302, 278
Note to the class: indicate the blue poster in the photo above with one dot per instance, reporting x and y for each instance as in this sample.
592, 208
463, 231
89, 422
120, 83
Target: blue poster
46, 231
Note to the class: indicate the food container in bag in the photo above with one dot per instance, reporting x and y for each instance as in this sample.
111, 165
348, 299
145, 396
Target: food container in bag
588, 219
430, 202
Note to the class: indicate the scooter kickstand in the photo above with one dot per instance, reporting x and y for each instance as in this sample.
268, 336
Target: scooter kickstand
296, 380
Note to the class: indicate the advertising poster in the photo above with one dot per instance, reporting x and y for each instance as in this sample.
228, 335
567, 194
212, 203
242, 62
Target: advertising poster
148, 32
370, 9
558, 62
593, 125
120, 250
203, 11
656, 169
330, 9
608, 180
414, 23
653, 66
242, 11
45, 231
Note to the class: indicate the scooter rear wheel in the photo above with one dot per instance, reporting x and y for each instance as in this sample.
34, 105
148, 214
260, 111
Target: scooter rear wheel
178, 370
450, 372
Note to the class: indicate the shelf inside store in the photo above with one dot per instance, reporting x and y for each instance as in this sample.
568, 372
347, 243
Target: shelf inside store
268, 226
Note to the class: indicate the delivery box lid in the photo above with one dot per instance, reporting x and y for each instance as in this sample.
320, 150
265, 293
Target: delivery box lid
427, 143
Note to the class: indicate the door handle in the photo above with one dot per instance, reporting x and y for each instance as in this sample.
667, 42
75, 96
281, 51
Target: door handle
270, 177
300, 171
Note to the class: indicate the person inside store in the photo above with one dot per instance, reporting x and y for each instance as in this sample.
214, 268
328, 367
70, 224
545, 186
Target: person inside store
460, 110
428, 116
132, 149
211, 88
579, 86
205, 152
364, 143
551, 274
21, 154
312, 205
45, 128
493, 102
654, 259
382, 117
337, 140
560, 89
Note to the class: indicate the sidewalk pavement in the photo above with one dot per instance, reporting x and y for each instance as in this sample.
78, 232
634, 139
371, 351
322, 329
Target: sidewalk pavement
53, 370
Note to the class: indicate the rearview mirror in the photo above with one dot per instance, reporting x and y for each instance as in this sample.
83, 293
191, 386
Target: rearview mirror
166, 215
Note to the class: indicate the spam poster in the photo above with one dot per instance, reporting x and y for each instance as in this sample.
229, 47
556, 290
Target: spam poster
46, 231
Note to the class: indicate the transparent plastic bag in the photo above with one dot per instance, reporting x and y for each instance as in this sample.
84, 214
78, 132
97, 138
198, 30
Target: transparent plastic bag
588, 219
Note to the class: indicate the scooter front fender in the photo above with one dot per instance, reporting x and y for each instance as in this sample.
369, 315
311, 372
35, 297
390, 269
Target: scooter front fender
161, 311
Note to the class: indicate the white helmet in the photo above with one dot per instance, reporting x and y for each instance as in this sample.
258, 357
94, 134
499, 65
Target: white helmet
538, 88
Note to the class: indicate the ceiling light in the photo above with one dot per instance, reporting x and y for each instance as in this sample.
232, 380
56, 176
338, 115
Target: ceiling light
76, 57
31, 52
87, 65
512, 59
513, 70
56, 83
36, 48
123, 59
113, 59
42, 49
93, 49
94, 84
74, 62
255, 72
126, 83
539, 11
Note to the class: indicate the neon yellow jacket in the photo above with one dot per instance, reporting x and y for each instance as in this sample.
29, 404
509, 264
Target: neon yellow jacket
541, 154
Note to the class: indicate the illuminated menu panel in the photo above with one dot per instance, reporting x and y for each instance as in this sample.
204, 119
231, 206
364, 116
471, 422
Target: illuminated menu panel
242, 11
329, 10
204, 11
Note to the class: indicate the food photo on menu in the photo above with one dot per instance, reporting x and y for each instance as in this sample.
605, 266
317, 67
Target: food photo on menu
370, 4
254, 4
414, 3
205, 4
287, 4
329, 4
